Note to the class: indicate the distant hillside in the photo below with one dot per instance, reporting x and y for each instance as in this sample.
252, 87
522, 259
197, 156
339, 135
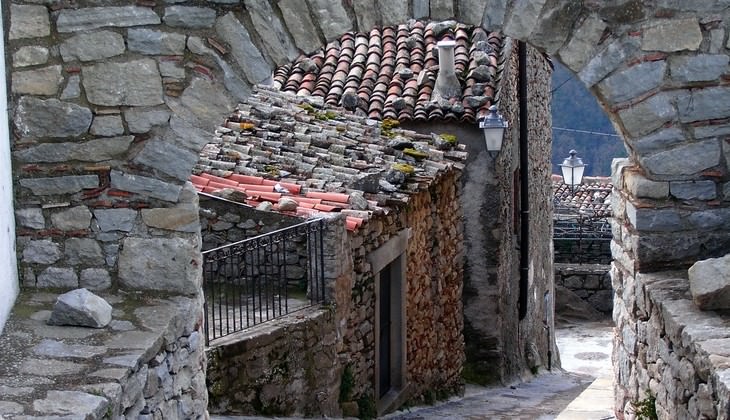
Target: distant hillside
574, 108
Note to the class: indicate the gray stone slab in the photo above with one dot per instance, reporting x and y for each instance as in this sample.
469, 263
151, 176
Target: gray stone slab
117, 374
78, 217
693, 190
272, 32
523, 18
189, 17
92, 46
50, 118
60, 185
44, 81
633, 82
494, 15
91, 151
84, 19
72, 402
49, 367
81, 308
156, 154
84, 251
58, 349
154, 42
130, 360
366, 13
135, 340
649, 115
13, 391
141, 120
28, 21
442, 9
182, 218
30, 55
203, 104
300, 25
62, 332
421, 9
172, 70
709, 283
110, 220
107, 126
694, 5
95, 279
704, 104
715, 130
471, 12
140, 269
661, 140
73, 88
670, 35
700, 68
132, 83
30, 218
145, 186
58, 277
641, 187
555, 25
654, 220
10, 408
244, 52
42, 251
685, 159
331, 17
608, 60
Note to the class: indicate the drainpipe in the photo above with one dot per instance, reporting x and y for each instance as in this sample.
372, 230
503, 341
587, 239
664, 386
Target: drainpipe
524, 182
447, 84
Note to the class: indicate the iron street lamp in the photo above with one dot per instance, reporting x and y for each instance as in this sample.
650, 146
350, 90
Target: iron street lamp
493, 125
572, 168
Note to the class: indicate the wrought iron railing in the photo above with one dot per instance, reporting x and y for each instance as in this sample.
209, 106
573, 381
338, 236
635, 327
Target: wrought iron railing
263, 278
581, 236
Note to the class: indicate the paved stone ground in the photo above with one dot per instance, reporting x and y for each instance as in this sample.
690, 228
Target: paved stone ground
585, 351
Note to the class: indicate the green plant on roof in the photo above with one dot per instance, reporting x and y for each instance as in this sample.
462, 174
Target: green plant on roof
271, 170
404, 167
390, 123
307, 107
415, 153
449, 138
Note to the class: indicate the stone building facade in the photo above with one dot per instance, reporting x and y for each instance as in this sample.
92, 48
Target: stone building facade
98, 93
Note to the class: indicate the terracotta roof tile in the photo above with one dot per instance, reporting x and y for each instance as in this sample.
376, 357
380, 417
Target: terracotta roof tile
592, 197
278, 145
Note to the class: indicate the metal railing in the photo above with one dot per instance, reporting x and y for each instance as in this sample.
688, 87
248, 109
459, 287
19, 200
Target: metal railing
263, 278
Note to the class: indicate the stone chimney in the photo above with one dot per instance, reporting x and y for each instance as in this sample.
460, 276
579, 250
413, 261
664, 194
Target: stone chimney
447, 85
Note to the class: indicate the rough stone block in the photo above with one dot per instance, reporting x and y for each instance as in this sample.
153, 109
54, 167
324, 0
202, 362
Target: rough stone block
442, 9
42, 251
145, 186
30, 217
608, 60
84, 19
494, 15
27, 21
95, 279
92, 46
672, 35
694, 190
272, 32
523, 18
421, 9
703, 104
300, 25
175, 264
633, 82
110, 220
726, 191
654, 220
709, 283
583, 44
172, 70
141, 120
686, 159
617, 171
471, 12
81, 308
50, 118
189, 17
647, 116
107, 126
366, 13
60, 185
73, 88
699, 68
660, 140
83, 251
153, 42
182, 218
640, 187
132, 83
156, 154
31, 55
332, 17
555, 25
45, 81
243, 50
74, 218
57, 277
91, 151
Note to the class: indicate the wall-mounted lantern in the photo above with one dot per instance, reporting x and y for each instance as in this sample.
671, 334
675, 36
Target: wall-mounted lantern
493, 125
572, 168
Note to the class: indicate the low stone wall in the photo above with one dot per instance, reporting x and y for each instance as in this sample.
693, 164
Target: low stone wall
147, 364
669, 350
286, 367
590, 282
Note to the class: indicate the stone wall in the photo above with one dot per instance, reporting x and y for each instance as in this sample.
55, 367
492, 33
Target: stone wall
583, 251
590, 282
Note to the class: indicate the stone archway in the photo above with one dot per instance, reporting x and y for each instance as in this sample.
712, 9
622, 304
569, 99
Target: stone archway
130, 86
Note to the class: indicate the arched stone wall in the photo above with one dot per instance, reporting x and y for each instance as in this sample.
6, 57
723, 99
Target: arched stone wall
110, 105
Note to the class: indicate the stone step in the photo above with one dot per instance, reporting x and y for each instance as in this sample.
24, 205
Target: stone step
594, 403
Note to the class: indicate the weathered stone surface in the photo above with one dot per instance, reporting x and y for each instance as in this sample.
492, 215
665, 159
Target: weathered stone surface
186, 135
699, 68
30, 218
714, 130
71, 402
523, 18
633, 82
81, 308
173, 266
654, 220
555, 25
83, 251
693, 190
31, 55
640, 187
709, 283
608, 60
110, 220
152, 42
42, 251
672, 35
133, 83
60, 185
661, 140
717, 36
92, 46
44, 81
91, 151
57, 277
300, 25
494, 15
704, 104
189, 17
172, 70
648, 115
366, 13
58, 349
47, 367
107, 126
9, 408
50, 118
683, 160
332, 18
694, 5
141, 120
73, 88
95, 279
243, 50
145, 186
726, 191
156, 154
203, 104
84, 19
471, 12
75, 218
271, 31
27, 21
442, 9
182, 218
